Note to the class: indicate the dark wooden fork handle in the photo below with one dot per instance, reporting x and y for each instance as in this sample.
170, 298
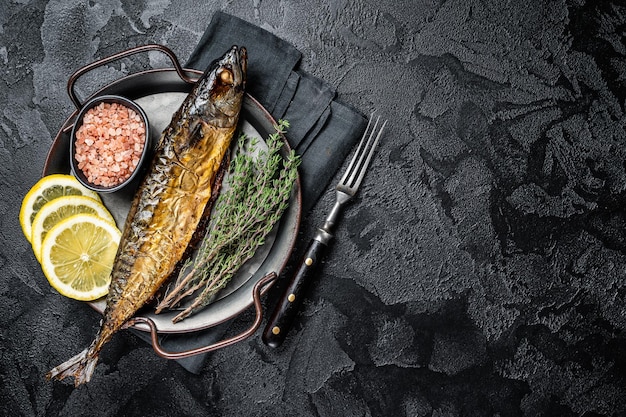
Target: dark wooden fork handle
289, 303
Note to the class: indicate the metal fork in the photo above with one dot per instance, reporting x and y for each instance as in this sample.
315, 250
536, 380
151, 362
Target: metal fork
288, 305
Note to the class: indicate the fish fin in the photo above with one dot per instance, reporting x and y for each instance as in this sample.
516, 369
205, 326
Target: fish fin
81, 367
195, 132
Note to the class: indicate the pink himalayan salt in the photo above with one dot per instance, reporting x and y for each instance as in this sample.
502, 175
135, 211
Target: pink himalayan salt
109, 144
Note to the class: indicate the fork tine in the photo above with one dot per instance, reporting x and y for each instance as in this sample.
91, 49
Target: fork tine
363, 165
362, 142
363, 155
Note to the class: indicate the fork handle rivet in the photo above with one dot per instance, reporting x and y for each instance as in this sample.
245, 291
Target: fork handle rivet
291, 298
276, 330
308, 261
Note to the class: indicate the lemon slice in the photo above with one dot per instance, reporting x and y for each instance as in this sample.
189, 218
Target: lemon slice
47, 189
61, 208
77, 256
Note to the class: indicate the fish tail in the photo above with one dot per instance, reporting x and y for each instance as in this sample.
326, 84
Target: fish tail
81, 367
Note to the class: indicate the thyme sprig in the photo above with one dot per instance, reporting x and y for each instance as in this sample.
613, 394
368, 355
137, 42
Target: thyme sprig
259, 188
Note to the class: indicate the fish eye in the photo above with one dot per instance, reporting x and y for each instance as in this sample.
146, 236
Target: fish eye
226, 76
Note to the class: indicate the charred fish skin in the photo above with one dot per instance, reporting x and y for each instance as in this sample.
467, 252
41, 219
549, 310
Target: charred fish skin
170, 202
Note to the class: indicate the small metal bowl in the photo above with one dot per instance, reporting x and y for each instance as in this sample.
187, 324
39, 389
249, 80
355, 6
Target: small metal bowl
74, 164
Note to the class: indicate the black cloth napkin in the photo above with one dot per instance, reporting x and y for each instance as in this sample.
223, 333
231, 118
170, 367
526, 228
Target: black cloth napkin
323, 131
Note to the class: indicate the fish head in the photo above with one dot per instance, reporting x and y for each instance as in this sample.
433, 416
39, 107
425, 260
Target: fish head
221, 88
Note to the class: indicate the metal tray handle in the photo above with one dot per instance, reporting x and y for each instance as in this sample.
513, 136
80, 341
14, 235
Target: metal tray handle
150, 47
258, 289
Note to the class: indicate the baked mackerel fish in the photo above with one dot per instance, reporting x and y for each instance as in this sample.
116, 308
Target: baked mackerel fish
171, 201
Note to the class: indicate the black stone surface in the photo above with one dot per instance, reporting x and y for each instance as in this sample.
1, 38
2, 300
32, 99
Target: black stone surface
481, 270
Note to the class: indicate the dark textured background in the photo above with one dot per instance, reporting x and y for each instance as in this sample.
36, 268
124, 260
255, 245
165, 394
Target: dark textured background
481, 273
